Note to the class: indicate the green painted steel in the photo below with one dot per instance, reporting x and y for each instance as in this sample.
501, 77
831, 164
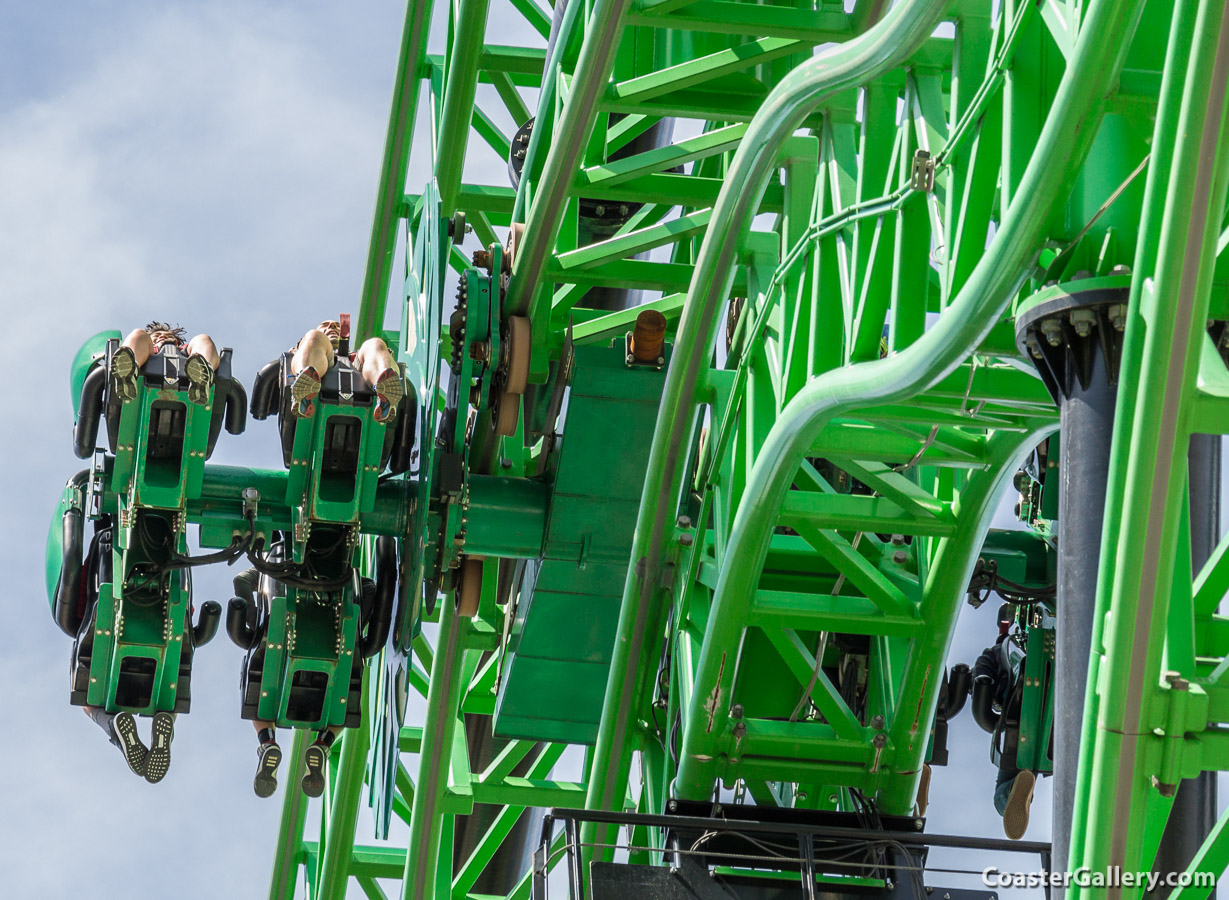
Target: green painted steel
741, 569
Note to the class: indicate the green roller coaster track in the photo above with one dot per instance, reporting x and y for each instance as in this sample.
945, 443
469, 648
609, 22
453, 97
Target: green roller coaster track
868, 228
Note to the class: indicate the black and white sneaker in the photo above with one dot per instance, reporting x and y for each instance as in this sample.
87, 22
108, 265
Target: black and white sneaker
159, 759
200, 379
314, 758
134, 750
124, 375
266, 769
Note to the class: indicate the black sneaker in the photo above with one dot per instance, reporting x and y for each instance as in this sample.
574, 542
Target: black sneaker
159, 759
135, 752
266, 769
314, 757
200, 379
124, 374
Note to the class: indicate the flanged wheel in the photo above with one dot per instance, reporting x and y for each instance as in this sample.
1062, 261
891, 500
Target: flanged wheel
519, 339
507, 414
469, 587
516, 235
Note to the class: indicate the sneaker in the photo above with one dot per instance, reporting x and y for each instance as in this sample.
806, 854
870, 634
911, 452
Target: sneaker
159, 759
389, 391
124, 374
200, 379
303, 392
1015, 815
135, 753
270, 757
314, 758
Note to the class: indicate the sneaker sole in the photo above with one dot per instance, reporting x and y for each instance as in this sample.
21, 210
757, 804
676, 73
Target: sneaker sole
158, 762
313, 781
389, 391
200, 380
124, 374
135, 752
265, 782
1015, 815
303, 392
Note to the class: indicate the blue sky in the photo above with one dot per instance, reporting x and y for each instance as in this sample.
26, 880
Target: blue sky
214, 164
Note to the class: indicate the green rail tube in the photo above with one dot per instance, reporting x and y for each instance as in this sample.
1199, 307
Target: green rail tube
905, 27
443, 698
461, 82
343, 809
1165, 330
391, 192
1067, 136
286, 857
589, 84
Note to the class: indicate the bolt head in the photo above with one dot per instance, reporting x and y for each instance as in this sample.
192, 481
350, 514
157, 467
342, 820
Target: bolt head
900, 557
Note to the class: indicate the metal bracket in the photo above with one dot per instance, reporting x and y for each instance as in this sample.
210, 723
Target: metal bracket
923, 177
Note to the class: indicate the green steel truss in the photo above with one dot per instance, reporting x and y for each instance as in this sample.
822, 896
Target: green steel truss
839, 241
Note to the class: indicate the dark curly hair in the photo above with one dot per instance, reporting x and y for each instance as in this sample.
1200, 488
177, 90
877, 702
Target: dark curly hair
163, 326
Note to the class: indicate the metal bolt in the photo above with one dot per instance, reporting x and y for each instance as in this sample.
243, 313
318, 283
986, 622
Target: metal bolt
622, 209
879, 741
630, 359
898, 540
802, 797
1177, 682
684, 521
686, 538
900, 557
1166, 790
1118, 316
672, 805
1082, 320
1120, 269
877, 723
919, 824
600, 210
740, 731
736, 711
1081, 275
1052, 330
833, 798
505, 464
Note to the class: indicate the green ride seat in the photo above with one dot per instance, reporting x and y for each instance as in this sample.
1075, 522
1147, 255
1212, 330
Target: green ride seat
133, 635
311, 621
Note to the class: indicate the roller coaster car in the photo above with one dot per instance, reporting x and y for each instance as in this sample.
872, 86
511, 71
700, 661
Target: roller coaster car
335, 457
1022, 722
305, 647
133, 635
